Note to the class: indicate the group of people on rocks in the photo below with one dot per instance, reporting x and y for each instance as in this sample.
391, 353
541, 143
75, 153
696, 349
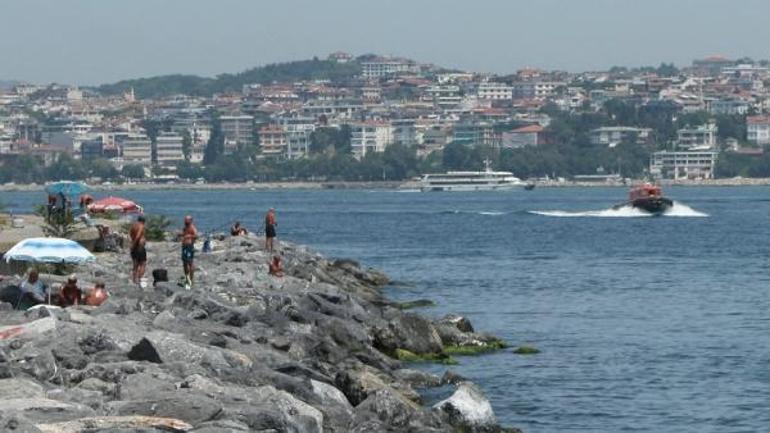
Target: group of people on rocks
188, 235
34, 292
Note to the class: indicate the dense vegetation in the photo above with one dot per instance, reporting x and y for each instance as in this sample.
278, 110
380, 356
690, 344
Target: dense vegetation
288, 72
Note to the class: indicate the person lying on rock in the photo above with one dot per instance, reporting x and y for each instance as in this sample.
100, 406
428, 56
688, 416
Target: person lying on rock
97, 295
276, 267
70, 293
33, 291
238, 230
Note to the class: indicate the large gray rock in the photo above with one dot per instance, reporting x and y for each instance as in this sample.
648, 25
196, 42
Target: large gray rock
387, 406
468, 408
20, 388
164, 347
184, 405
42, 410
117, 423
416, 334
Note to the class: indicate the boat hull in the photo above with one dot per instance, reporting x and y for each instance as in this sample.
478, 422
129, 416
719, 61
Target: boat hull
653, 205
467, 188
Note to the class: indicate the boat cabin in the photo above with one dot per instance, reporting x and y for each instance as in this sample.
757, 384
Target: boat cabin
647, 190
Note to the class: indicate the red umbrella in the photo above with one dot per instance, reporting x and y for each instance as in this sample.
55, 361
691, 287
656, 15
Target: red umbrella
114, 204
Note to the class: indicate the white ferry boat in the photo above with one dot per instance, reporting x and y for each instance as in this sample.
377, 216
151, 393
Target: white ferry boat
486, 180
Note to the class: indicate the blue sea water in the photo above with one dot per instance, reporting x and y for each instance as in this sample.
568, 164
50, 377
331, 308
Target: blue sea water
644, 324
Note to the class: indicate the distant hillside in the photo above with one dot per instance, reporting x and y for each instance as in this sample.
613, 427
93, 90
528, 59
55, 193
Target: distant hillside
194, 85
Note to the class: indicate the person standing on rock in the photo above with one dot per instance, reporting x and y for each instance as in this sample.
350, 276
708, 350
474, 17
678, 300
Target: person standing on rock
138, 250
189, 236
270, 225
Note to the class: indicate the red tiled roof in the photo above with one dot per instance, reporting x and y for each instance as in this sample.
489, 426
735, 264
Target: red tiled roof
757, 120
528, 129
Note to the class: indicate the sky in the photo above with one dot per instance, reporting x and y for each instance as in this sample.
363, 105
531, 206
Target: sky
88, 42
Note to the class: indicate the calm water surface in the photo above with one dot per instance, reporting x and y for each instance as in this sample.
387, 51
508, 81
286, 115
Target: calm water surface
645, 324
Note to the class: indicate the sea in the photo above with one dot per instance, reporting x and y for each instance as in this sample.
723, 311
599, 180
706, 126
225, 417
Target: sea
644, 324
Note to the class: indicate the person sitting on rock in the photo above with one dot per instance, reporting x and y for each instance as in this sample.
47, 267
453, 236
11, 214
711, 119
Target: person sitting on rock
33, 291
276, 267
238, 230
70, 293
97, 295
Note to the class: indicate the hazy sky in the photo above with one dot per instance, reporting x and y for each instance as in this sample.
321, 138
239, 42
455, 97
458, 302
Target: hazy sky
96, 41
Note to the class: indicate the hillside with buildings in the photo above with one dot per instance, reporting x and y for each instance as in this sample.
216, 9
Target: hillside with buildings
373, 118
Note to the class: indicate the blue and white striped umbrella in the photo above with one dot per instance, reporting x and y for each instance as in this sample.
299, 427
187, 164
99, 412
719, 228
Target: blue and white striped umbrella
49, 250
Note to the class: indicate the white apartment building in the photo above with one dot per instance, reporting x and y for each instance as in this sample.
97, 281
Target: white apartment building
383, 67
444, 96
297, 131
136, 149
494, 91
607, 135
683, 165
536, 89
169, 148
758, 129
701, 137
368, 137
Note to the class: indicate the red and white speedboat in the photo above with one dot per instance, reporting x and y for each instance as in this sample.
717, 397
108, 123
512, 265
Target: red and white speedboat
649, 198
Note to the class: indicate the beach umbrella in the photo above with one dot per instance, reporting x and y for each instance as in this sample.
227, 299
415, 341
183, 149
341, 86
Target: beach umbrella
114, 204
66, 187
49, 250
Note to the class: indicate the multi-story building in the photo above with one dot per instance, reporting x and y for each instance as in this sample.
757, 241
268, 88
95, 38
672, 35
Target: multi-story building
529, 135
683, 165
404, 132
444, 96
169, 148
494, 91
701, 137
238, 131
370, 137
297, 130
536, 89
91, 149
272, 140
607, 135
136, 149
758, 129
475, 134
384, 66
729, 106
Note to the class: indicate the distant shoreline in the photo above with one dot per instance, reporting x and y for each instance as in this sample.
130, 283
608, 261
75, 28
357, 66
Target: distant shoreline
382, 185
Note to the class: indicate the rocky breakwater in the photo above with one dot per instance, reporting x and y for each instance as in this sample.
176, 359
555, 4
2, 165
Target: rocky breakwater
318, 350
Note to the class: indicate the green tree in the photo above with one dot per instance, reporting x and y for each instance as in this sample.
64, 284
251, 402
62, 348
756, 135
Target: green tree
66, 168
102, 169
132, 172
186, 144
216, 144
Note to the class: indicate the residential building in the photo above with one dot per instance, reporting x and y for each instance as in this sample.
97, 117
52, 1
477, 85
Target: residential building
758, 129
701, 137
536, 89
136, 149
91, 149
525, 136
340, 57
444, 96
384, 66
683, 164
238, 131
272, 140
297, 130
169, 148
729, 106
494, 91
404, 132
368, 137
475, 134
607, 135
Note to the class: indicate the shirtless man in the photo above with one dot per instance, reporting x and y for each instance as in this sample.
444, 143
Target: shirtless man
138, 251
189, 235
270, 224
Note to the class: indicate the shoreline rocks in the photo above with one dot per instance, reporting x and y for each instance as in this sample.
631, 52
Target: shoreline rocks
315, 351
